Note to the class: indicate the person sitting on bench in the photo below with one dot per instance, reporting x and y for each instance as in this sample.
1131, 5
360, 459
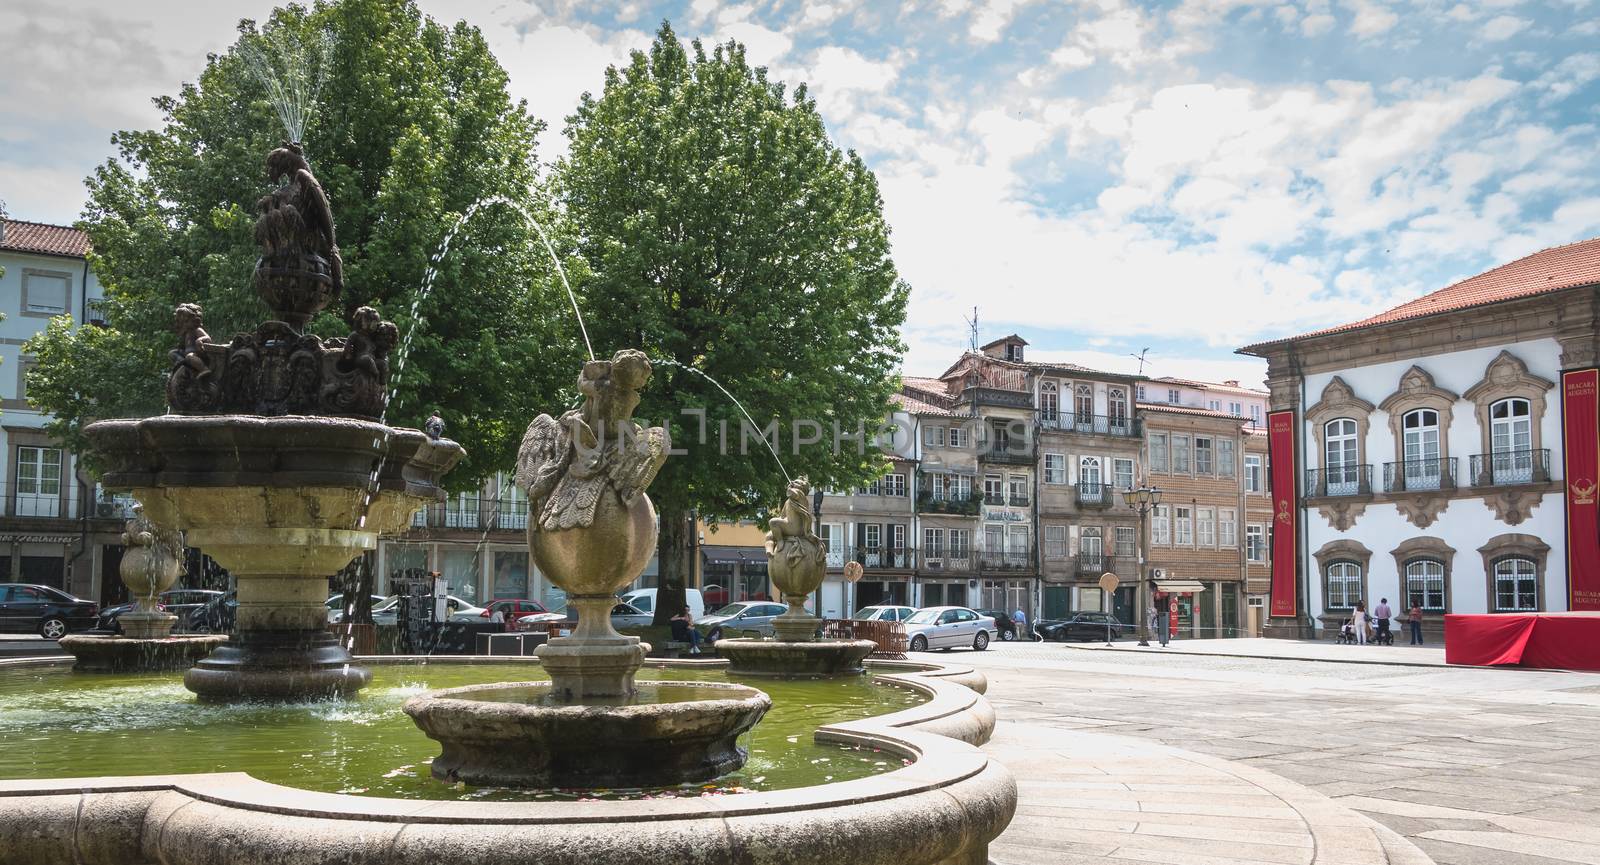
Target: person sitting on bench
683, 631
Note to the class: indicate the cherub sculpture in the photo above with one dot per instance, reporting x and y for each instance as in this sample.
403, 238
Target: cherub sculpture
791, 536
296, 217
368, 347
192, 340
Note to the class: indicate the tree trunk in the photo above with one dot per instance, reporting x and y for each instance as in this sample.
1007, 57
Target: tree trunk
673, 561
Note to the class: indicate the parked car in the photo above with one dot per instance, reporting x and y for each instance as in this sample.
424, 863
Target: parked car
949, 627
745, 618
335, 605
456, 610
178, 602
511, 609
645, 599
216, 617
888, 613
622, 616
1002, 623
1083, 626
26, 608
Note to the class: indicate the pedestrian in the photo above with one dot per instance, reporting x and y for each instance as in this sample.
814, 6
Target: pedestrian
683, 631
1358, 621
1382, 613
1151, 621
1019, 622
1414, 622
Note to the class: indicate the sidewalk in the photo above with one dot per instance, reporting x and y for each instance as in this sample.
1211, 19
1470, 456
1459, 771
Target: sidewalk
1286, 650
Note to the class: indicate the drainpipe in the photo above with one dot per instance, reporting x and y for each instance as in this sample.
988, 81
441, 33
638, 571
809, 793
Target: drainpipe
1303, 554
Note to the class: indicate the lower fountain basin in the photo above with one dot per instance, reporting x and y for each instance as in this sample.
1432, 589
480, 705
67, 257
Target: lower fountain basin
517, 734
108, 654
821, 658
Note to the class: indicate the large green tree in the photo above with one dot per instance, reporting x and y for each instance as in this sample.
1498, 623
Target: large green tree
412, 124
726, 232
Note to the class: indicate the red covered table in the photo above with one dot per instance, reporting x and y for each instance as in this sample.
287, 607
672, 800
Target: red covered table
1566, 641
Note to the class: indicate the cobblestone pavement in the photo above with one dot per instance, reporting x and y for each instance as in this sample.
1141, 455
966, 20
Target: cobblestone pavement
1470, 765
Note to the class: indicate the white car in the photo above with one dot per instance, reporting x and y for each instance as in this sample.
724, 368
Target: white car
459, 610
622, 616
645, 600
949, 627
335, 607
887, 613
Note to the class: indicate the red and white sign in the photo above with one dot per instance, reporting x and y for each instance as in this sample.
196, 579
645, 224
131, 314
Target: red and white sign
1580, 428
1281, 450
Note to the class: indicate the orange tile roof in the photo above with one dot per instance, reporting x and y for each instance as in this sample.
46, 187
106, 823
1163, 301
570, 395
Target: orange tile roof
1209, 385
43, 239
1549, 270
1169, 408
909, 403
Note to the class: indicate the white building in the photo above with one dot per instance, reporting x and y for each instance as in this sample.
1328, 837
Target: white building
1429, 446
1227, 397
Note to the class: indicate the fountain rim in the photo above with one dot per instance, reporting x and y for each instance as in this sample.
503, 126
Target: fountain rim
448, 699
939, 761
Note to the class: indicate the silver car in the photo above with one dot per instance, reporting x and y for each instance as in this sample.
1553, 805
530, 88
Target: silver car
745, 618
622, 616
885, 613
949, 627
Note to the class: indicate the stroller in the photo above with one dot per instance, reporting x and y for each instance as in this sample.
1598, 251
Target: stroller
1347, 632
1382, 636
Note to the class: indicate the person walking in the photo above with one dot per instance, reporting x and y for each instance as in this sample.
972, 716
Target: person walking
1414, 623
1358, 620
1019, 623
1382, 613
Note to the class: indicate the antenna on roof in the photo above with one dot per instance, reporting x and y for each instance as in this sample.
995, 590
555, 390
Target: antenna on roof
1140, 357
972, 329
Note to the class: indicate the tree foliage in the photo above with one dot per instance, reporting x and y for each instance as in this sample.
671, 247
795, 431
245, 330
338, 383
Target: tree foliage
413, 124
725, 231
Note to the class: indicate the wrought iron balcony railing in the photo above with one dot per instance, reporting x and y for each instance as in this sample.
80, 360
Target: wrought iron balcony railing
1006, 560
1410, 476
941, 558
1092, 424
1339, 481
1506, 468
1093, 494
883, 557
1094, 564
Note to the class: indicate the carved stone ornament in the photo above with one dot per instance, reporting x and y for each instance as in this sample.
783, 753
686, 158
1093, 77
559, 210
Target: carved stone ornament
1342, 514
796, 560
1513, 506
1421, 510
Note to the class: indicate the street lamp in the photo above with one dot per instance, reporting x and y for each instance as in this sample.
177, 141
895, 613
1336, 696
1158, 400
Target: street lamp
1142, 500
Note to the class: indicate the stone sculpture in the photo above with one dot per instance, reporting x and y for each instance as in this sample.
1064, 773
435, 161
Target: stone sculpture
797, 562
300, 269
152, 558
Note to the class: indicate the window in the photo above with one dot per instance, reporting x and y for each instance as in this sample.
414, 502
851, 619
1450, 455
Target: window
1089, 473
1182, 527
38, 482
1158, 452
1048, 401
1206, 526
45, 293
1140, 393
959, 437
994, 492
1511, 441
1227, 527
1055, 468
960, 543
1014, 352
1225, 461
1160, 525
1255, 415
1091, 548
933, 543
1126, 539
1516, 586
1344, 585
895, 484
1252, 473
933, 436
872, 542
1122, 473
1117, 406
1204, 457
1017, 489
1255, 542
1235, 409
1425, 584
1172, 396
1083, 404
1055, 542
1214, 405
1180, 454
1420, 432
873, 489
1340, 459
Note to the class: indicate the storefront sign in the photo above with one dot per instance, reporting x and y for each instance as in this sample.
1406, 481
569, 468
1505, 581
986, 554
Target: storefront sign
997, 515
1580, 420
1281, 450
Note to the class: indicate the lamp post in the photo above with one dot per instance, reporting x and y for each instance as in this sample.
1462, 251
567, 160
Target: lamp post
1142, 500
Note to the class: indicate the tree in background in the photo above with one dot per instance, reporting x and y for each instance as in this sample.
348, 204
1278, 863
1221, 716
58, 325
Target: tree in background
411, 126
726, 232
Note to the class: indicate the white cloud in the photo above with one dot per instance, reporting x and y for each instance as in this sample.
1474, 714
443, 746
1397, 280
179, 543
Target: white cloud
1568, 76
1371, 18
993, 18
1502, 27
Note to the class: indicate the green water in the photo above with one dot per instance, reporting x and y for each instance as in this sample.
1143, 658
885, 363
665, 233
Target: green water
57, 724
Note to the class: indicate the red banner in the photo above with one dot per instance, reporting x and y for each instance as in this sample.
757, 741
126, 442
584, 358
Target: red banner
1281, 451
1580, 443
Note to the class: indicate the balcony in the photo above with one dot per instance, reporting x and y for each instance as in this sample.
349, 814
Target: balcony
1094, 564
510, 515
933, 503
1412, 476
944, 559
890, 558
1006, 560
1121, 426
999, 397
1509, 468
1092, 494
1339, 481
1016, 452
26, 502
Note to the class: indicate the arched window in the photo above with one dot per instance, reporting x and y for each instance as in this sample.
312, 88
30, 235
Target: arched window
1425, 585
1344, 585
1084, 404
1048, 405
1511, 441
1089, 476
1117, 408
1422, 466
1516, 586
1342, 457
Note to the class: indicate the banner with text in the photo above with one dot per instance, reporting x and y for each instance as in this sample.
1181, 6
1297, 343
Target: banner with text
1580, 443
1281, 451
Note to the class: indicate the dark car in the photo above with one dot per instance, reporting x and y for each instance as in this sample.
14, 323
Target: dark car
50, 613
179, 602
216, 617
1084, 626
1002, 623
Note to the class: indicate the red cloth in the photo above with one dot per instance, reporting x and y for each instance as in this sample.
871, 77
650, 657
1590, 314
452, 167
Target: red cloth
1566, 641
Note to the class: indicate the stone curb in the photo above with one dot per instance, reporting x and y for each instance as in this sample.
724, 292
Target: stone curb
1170, 651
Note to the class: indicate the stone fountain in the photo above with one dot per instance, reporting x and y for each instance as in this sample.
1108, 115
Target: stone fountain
591, 531
151, 561
273, 459
797, 562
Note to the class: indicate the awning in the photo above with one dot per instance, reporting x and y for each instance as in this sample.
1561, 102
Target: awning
731, 555
1180, 587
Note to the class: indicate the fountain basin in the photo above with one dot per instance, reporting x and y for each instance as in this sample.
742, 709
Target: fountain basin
820, 658
108, 654
518, 734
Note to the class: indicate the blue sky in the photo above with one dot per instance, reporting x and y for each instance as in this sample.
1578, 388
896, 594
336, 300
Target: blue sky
1098, 176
